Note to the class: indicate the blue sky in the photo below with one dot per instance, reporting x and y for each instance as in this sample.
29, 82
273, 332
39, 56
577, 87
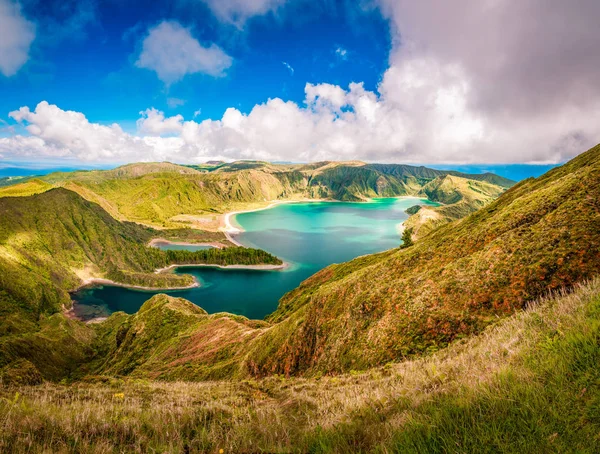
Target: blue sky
93, 71
98, 83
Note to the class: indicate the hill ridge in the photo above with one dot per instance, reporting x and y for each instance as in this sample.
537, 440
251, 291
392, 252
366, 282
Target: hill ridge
165, 195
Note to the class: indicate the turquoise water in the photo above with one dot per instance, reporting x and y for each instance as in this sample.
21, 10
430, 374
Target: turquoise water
181, 247
309, 236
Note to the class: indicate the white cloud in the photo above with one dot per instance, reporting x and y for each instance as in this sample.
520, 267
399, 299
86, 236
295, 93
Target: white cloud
16, 37
325, 96
288, 66
197, 112
341, 53
175, 102
415, 119
273, 130
172, 52
237, 12
154, 123
60, 133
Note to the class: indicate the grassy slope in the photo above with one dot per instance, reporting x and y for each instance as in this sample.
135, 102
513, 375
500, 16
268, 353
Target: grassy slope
529, 384
540, 235
51, 241
47, 239
460, 197
171, 338
167, 195
29, 187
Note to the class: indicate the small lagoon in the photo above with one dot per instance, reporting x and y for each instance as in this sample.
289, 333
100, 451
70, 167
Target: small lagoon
167, 246
310, 236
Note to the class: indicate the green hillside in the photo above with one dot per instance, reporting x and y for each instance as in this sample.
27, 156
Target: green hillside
50, 244
23, 188
49, 240
528, 384
459, 196
172, 339
450, 344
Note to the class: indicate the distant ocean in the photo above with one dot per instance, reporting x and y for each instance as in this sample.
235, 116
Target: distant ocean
25, 169
516, 172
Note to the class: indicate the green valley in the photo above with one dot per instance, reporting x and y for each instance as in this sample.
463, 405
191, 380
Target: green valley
494, 302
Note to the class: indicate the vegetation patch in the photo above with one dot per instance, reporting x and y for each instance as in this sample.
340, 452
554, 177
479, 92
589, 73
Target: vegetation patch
528, 384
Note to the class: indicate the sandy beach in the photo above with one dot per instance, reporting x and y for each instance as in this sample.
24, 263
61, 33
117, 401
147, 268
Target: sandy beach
97, 280
230, 228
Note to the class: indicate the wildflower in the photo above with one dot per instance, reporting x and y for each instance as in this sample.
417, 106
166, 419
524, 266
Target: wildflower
119, 395
221, 451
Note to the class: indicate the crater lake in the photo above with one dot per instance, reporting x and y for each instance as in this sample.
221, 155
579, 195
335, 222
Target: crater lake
308, 236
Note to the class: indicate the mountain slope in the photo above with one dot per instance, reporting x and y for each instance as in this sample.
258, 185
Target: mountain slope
24, 188
540, 235
171, 338
529, 384
460, 197
48, 240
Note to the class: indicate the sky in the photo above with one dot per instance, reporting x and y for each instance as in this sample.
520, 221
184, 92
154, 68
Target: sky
467, 82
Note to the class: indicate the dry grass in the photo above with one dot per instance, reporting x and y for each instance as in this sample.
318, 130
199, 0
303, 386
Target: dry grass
357, 411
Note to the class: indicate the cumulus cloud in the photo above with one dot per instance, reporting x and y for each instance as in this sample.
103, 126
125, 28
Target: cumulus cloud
273, 130
154, 123
60, 133
325, 96
237, 12
17, 35
172, 52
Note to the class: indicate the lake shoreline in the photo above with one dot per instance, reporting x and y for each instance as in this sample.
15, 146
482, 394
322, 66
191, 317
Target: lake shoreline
101, 281
91, 282
156, 241
265, 267
231, 227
